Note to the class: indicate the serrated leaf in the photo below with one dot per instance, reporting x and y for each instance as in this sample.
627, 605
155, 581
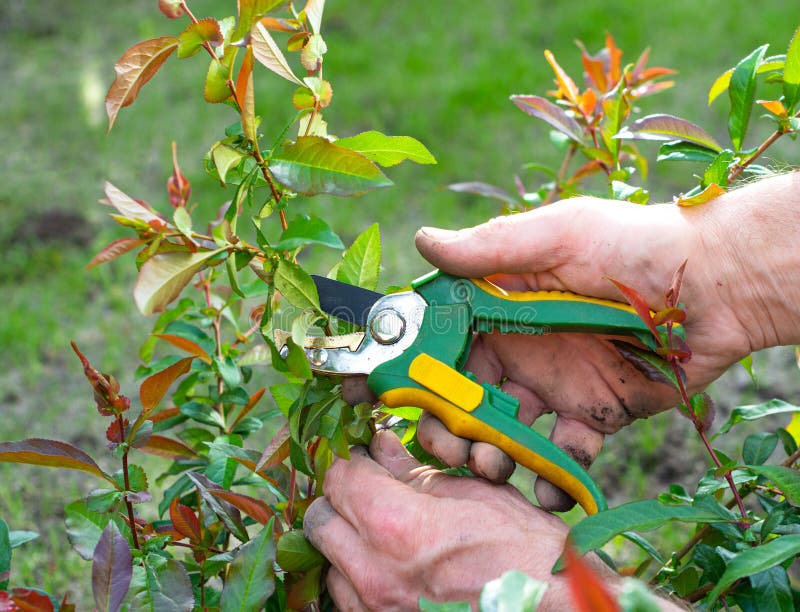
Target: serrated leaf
112, 569
251, 576
313, 165
84, 527
192, 38
486, 190
296, 285
135, 68
313, 10
308, 229
756, 411
711, 192
163, 277
717, 171
114, 250
742, 94
249, 12
225, 157
545, 110
791, 73
361, 263
755, 560
164, 587
171, 9
267, 52
388, 150
511, 592
302, 323
50, 453
668, 127
758, 447
154, 387
786, 479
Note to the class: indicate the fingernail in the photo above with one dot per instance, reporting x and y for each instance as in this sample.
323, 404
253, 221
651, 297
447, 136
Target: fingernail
318, 514
389, 444
438, 234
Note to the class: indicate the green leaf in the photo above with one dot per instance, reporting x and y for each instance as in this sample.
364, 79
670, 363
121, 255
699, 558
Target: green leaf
308, 229
163, 277
775, 62
668, 127
225, 157
295, 554
644, 544
756, 411
312, 165
485, 190
545, 110
136, 67
678, 150
251, 11
631, 193
5, 555
251, 577
791, 74
636, 597
653, 367
512, 592
216, 88
50, 453
296, 285
388, 150
85, 527
19, 537
747, 364
758, 447
269, 54
192, 38
706, 195
717, 172
755, 560
112, 569
302, 324
162, 586
595, 530
426, 605
772, 591
361, 263
786, 479
742, 93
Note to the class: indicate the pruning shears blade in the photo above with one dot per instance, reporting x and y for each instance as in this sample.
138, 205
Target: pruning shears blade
343, 301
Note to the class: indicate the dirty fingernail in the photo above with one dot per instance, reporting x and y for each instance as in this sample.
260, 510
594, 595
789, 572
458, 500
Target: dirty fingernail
318, 514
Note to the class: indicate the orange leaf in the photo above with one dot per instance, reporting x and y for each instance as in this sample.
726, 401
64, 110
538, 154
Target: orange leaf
114, 250
167, 447
776, 107
50, 453
615, 58
185, 521
594, 70
154, 387
277, 24
251, 506
587, 587
653, 73
708, 194
671, 314
277, 450
163, 415
639, 304
254, 399
565, 84
673, 293
136, 66
588, 102
186, 345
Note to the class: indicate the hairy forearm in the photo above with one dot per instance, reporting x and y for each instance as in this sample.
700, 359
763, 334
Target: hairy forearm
752, 239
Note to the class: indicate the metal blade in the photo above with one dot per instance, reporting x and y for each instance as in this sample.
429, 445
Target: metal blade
346, 302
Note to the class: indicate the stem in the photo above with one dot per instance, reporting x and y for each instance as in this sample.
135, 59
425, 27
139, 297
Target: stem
216, 551
126, 477
739, 168
792, 458
290, 502
560, 176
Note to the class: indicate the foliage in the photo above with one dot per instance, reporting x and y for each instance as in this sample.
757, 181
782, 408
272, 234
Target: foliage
227, 533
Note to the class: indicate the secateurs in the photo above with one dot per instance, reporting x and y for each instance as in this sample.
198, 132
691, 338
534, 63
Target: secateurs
416, 343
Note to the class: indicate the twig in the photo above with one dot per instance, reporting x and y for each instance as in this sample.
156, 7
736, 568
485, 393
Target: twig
560, 176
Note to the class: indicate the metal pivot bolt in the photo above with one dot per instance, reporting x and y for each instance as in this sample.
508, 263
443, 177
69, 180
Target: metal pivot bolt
318, 356
387, 326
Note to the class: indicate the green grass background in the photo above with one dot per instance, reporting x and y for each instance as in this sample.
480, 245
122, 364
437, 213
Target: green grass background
439, 71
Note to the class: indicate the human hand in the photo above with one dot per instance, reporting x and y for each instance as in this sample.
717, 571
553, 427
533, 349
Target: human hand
395, 530
575, 245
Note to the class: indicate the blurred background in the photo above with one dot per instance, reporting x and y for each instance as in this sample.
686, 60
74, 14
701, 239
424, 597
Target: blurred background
441, 72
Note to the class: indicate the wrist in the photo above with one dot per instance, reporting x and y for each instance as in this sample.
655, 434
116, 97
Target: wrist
749, 239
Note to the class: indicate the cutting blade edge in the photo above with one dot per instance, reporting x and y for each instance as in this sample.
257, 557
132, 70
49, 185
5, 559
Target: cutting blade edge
344, 301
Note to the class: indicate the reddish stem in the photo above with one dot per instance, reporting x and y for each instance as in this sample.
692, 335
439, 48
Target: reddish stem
126, 477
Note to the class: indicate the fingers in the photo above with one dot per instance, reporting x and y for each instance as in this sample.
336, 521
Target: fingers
332, 535
356, 391
343, 592
579, 441
439, 442
528, 242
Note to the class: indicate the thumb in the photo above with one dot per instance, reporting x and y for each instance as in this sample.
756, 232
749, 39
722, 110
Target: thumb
527, 242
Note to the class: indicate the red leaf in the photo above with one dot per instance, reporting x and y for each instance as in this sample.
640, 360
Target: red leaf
254, 399
639, 304
171, 9
178, 186
547, 111
614, 60
115, 433
277, 450
566, 85
50, 453
668, 127
587, 587
114, 250
136, 66
254, 508
27, 600
162, 446
166, 413
245, 96
129, 207
186, 345
154, 387
674, 291
106, 388
185, 521
670, 314
594, 69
